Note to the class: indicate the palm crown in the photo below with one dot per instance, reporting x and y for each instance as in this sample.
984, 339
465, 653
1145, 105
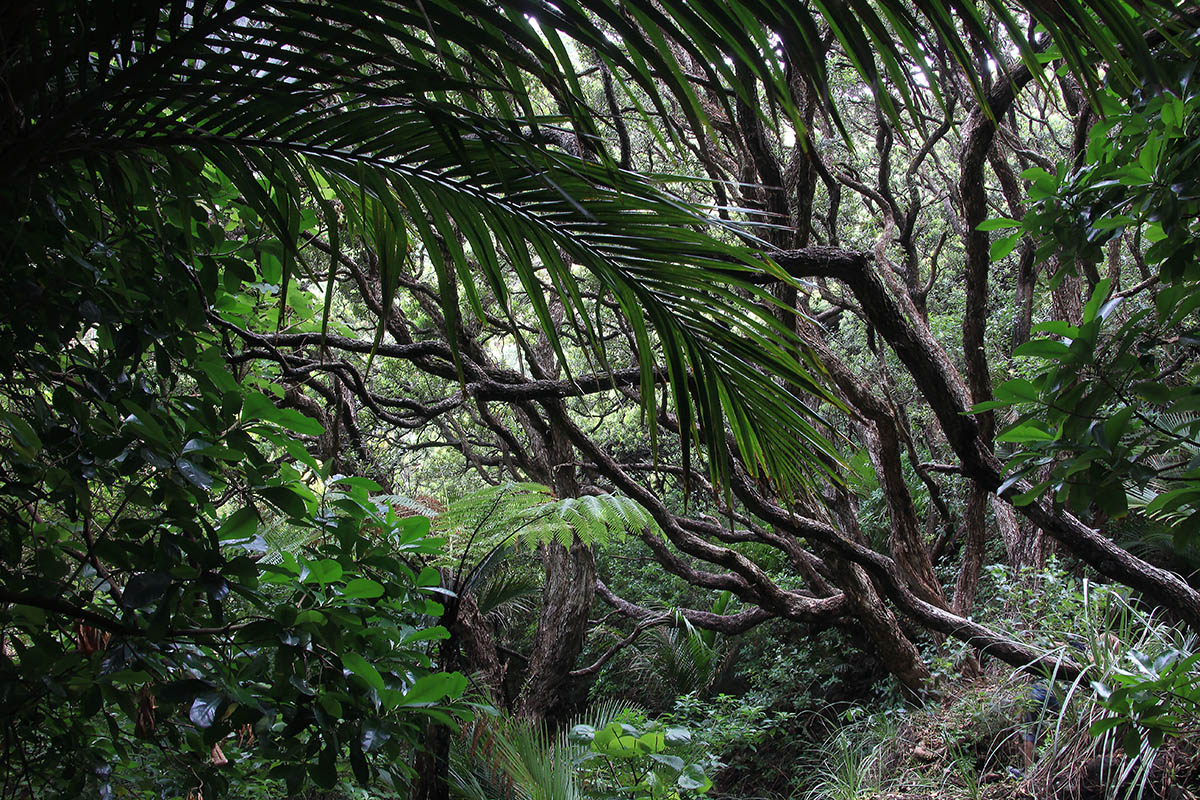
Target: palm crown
426, 123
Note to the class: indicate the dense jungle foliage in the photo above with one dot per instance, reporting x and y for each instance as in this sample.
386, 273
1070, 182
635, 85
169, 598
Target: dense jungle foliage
592, 399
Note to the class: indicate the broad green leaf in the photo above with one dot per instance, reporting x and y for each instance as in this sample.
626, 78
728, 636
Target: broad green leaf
435, 688
363, 588
363, 669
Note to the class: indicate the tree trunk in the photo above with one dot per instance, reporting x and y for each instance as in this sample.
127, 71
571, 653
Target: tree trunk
894, 650
550, 693
975, 523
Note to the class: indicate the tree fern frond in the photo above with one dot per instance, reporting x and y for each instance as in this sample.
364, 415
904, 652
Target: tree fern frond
280, 538
528, 513
594, 519
488, 517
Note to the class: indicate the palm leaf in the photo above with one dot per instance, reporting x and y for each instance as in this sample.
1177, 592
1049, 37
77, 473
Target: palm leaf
422, 113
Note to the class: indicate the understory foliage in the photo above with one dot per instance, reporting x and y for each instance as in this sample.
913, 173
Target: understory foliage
386, 384
1113, 407
148, 645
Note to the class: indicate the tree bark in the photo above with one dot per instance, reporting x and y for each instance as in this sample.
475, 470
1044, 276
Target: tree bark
894, 650
550, 693
933, 374
975, 523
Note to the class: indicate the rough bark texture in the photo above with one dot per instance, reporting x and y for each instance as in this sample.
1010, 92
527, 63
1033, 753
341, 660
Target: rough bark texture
882, 439
888, 577
966, 584
893, 649
549, 693
933, 374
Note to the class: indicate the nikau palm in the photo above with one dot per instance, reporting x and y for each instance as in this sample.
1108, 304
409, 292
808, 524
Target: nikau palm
458, 136
353, 101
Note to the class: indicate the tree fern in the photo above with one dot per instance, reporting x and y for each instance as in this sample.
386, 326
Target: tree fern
508, 595
594, 519
1172, 444
528, 513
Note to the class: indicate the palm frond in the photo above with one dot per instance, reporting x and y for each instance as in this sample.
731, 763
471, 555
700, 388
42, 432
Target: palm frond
419, 119
508, 757
680, 660
511, 593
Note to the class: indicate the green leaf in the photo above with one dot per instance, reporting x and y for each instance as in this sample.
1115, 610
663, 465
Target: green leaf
363, 588
374, 736
997, 223
1018, 390
23, 434
193, 473
1026, 432
693, 779
285, 499
676, 736
203, 711
258, 407
1104, 725
1044, 348
1058, 328
324, 571
1132, 743
616, 740
363, 669
652, 741
1041, 179
239, 525
1003, 246
582, 733
673, 763
145, 589
435, 688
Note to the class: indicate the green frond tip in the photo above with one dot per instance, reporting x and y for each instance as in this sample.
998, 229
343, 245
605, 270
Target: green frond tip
595, 519
529, 513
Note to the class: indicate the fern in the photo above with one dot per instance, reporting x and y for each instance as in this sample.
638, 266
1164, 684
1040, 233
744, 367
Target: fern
279, 537
595, 519
528, 513
504, 757
405, 503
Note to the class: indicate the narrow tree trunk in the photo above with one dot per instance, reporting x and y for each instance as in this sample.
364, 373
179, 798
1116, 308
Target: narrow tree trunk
549, 693
894, 650
975, 521
1026, 281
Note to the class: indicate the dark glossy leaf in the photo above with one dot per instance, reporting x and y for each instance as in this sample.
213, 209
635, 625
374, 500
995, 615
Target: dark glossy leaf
145, 589
194, 474
434, 688
363, 669
374, 736
240, 525
203, 711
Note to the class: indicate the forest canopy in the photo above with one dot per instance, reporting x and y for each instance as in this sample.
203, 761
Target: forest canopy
387, 384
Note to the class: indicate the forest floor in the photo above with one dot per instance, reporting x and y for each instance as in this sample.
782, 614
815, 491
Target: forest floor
980, 742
